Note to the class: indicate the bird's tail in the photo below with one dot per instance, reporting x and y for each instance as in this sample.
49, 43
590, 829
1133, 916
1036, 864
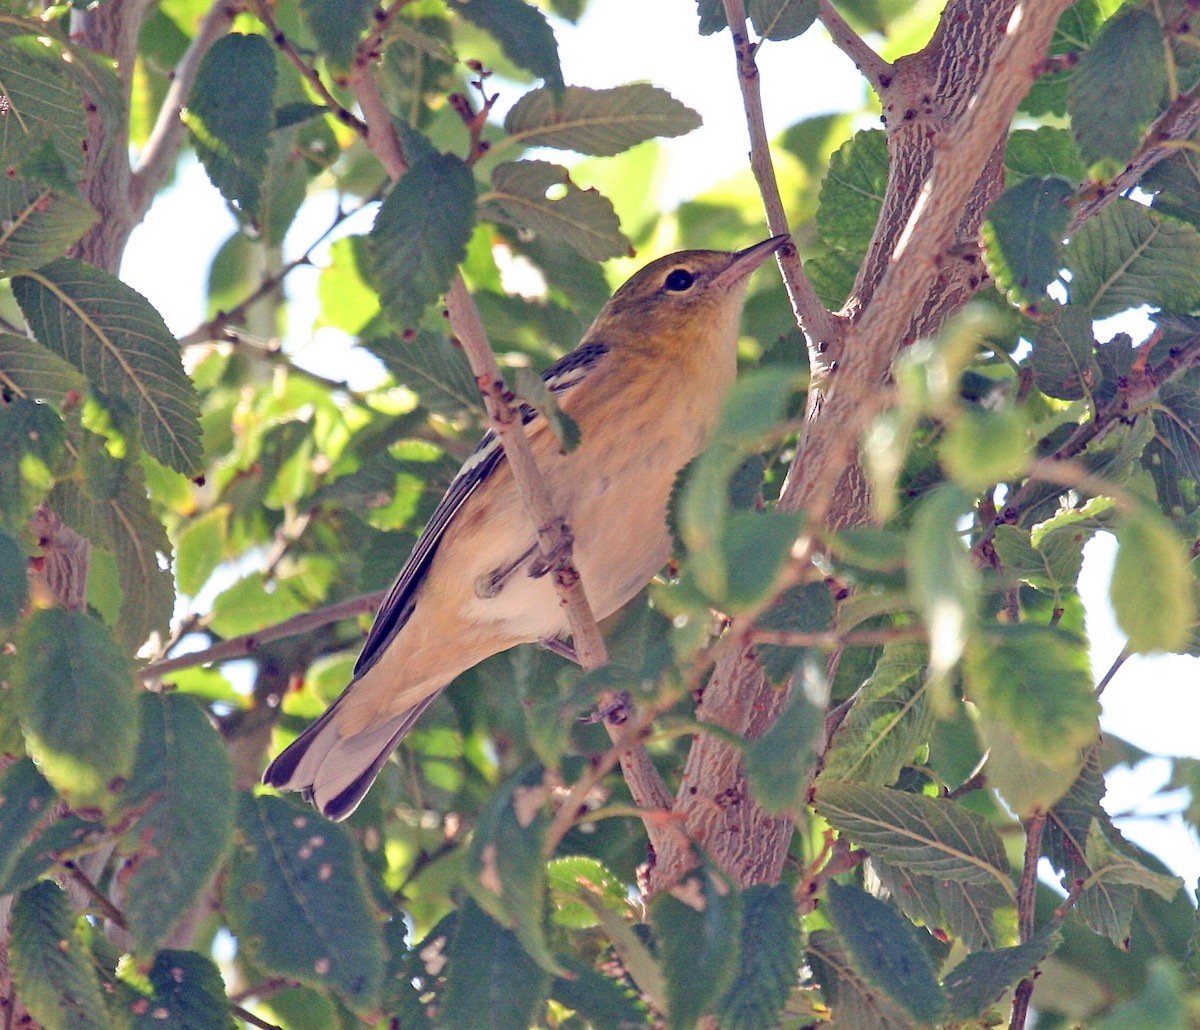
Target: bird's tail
335, 772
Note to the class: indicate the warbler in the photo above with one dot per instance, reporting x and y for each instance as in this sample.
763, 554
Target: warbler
645, 387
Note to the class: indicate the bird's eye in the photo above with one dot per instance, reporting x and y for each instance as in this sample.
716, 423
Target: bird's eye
679, 280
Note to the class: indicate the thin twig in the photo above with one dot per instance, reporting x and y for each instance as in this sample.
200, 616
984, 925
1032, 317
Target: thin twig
818, 324
1026, 911
263, 12
215, 326
248, 643
369, 45
96, 895
166, 138
1113, 669
249, 1017
878, 72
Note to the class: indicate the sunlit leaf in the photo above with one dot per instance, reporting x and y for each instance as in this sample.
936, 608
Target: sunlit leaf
51, 967
540, 196
113, 335
597, 121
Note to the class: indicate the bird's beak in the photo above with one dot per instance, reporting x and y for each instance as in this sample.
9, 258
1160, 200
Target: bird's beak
746, 261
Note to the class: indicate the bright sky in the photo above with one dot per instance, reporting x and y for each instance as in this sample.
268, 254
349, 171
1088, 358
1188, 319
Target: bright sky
1152, 702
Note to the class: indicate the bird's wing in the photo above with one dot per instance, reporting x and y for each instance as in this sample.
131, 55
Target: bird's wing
565, 374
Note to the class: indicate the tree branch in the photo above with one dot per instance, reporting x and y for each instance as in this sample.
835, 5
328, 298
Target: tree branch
248, 643
214, 327
1178, 122
166, 138
878, 72
1026, 904
818, 324
921, 250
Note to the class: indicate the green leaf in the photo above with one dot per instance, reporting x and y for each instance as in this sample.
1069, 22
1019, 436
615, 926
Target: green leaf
850, 201
770, 955
1152, 587
420, 235
1023, 236
1117, 87
855, 1001
532, 388
522, 32
230, 114
982, 447
1044, 151
926, 835
967, 910
25, 800
116, 515
1028, 782
30, 370
1161, 1005
44, 105
431, 366
601, 122
755, 547
1077, 29
1111, 865
42, 228
942, 578
121, 344
568, 877
14, 580
505, 871
32, 453
540, 197
1052, 564
889, 720
1128, 255
491, 982
782, 19
1064, 355
697, 924
712, 16
50, 842
183, 780
756, 403
631, 949
1006, 673
779, 762
605, 1003
982, 979
348, 302
337, 24
201, 549
1106, 907
189, 994
886, 950
1175, 184
296, 898
51, 966
68, 670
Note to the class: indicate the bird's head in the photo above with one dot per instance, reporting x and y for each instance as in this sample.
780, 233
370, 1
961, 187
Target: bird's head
682, 296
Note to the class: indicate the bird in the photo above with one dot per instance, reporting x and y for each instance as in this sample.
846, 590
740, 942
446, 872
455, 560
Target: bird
645, 387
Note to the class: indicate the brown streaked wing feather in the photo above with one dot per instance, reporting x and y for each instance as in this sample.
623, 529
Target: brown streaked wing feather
565, 374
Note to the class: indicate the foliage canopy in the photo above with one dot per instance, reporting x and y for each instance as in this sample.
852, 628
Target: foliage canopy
903, 718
